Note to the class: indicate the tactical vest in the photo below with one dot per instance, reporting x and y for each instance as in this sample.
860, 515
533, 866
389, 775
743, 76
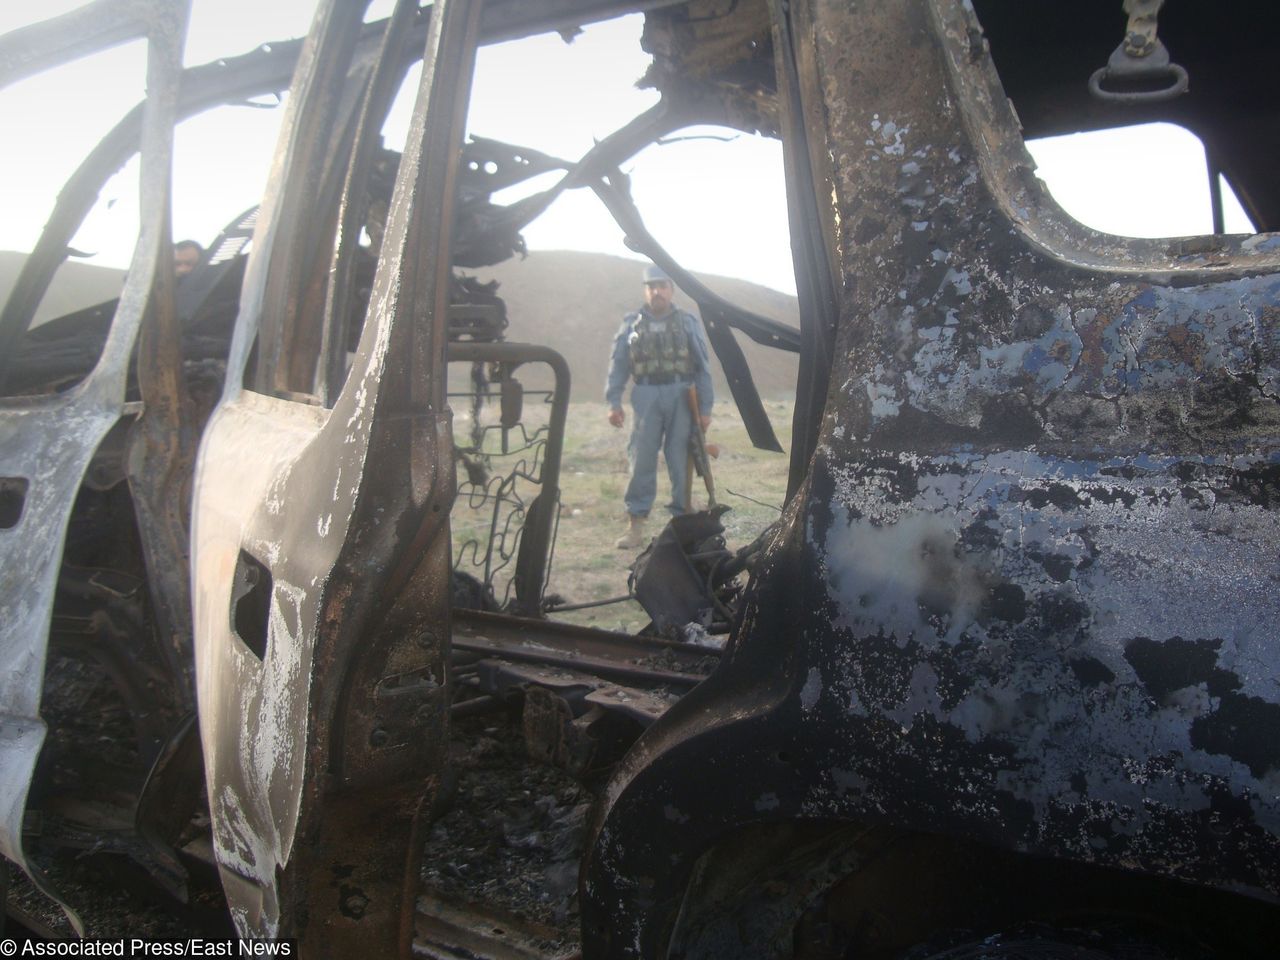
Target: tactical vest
660, 348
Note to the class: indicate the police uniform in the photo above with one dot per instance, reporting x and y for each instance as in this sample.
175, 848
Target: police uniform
663, 356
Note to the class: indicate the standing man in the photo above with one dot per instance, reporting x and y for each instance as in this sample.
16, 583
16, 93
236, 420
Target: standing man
663, 350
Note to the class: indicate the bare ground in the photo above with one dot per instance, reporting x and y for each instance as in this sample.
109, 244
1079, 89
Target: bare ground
585, 566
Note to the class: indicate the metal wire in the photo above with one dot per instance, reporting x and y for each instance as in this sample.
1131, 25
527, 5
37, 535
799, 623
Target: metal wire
758, 503
592, 603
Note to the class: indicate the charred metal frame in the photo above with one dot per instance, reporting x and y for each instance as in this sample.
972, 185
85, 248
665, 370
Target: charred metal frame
584, 694
1021, 600
359, 599
537, 534
617, 657
47, 443
1016, 598
162, 438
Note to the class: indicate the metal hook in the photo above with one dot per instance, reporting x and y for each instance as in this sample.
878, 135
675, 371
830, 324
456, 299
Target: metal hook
1125, 67
1140, 59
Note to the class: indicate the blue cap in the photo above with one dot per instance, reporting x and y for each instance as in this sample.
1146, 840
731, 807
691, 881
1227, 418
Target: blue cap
654, 274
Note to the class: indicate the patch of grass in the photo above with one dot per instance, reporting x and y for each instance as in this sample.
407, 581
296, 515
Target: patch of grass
586, 566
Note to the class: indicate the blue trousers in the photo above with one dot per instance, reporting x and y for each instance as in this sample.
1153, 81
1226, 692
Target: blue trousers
660, 421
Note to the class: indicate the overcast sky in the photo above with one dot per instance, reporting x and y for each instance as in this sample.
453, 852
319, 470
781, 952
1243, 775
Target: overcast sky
717, 206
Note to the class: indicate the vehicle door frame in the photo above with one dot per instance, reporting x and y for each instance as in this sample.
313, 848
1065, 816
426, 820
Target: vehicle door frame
324, 729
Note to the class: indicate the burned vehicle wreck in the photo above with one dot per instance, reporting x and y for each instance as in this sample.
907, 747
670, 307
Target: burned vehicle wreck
1000, 681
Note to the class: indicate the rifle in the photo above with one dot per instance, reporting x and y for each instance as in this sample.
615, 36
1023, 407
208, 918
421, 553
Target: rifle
699, 453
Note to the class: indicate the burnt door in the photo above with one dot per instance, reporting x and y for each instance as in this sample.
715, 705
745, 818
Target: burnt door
47, 442
320, 536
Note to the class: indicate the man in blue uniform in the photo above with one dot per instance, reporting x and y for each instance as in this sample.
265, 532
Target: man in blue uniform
663, 350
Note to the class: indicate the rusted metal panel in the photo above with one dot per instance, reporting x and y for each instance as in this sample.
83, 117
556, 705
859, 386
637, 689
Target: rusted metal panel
1026, 593
161, 461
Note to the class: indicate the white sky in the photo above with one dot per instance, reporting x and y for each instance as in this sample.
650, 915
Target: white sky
717, 207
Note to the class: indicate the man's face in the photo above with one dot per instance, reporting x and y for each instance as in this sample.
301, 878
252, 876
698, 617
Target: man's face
185, 260
657, 294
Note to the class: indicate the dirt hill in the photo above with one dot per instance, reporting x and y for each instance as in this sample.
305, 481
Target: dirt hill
570, 301
75, 285
574, 302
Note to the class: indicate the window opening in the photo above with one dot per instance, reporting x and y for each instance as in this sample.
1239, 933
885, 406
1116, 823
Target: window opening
216, 173
228, 28
1146, 180
1119, 117
66, 112
712, 198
